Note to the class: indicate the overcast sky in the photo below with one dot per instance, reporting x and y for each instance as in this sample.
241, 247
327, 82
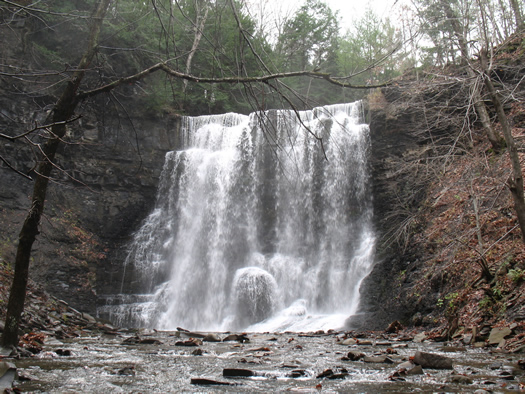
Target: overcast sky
348, 10
353, 10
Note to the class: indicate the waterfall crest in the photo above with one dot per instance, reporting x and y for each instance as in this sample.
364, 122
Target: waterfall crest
262, 223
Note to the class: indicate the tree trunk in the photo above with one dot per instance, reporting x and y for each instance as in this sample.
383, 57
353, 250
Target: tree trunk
479, 105
200, 21
515, 181
518, 17
62, 112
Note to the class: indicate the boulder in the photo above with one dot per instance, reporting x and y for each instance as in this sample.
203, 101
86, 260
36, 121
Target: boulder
7, 375
355, 355
498, 334
418, 338
255, 295
433, 361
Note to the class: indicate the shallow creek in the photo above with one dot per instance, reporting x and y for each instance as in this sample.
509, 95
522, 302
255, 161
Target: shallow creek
279, 362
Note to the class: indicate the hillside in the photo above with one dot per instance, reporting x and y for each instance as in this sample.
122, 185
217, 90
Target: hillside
452, 252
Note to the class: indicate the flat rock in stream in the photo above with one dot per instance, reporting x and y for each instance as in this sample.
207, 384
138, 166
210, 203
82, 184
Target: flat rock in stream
330, 374
189, 343
191, 334
433, 361
209, 382
211, 338
238, 373
136, 340
459, 379
378, 359
237, 337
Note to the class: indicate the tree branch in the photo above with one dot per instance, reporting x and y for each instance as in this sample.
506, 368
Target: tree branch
230, 80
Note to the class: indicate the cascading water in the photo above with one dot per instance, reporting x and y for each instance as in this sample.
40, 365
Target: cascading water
262, 223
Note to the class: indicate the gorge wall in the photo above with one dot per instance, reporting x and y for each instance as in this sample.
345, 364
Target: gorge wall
111, 176
108, 187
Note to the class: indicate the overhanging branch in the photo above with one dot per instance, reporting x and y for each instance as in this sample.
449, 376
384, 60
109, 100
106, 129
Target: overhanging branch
163, 66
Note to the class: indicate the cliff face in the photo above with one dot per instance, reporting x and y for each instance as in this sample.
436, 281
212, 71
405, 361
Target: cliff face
442, 207
107, 186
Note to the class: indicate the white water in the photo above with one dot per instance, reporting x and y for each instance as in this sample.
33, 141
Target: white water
258, 226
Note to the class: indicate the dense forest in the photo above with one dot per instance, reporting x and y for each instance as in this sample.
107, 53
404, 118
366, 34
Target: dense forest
453, 67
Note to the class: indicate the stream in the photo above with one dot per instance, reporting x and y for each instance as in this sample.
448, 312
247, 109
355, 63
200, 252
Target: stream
163, 361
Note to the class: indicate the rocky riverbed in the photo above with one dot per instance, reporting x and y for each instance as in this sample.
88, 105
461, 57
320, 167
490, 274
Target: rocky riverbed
99, 358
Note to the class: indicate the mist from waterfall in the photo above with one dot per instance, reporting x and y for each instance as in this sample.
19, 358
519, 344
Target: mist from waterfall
262, 223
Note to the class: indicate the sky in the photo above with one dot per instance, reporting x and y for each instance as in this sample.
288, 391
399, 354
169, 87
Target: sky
349, 10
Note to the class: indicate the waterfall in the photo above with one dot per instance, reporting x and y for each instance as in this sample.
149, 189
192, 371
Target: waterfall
262, 223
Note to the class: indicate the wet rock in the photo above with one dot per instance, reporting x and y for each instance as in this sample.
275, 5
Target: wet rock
7, 375
127, 370
252, 361
188, 343
330, 374
417, 370
191, 334
433, 361
418, 338
407, 368
498, 334
394, 327
467, 338
136, 340
149, 341
459, 379
90, 319
211, 338
365, 342
453, 349
325, 373
349, 342
378, 359
354, 356
242, 338
237, 373
209, 382
5, 351
197, 352
259, 349
521, 364
297, 373
341, 375
292, 366
496, 365
506, 375
63, 352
